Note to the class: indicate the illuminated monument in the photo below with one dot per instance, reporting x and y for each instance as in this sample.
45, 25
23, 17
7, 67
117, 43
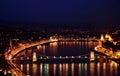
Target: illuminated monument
108, 46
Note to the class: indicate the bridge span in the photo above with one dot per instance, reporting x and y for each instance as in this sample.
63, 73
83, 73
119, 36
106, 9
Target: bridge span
15, 50
10, 53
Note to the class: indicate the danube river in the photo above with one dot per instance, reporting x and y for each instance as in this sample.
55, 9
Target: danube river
63, 49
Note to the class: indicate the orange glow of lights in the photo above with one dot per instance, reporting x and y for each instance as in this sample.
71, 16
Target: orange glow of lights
34, 57
102, 38
118, 54
92, 57
0, 70
39, 46
107, 36
53, 39
110, 38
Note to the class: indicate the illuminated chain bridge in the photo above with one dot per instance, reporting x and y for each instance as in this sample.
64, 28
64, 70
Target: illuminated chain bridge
9, 55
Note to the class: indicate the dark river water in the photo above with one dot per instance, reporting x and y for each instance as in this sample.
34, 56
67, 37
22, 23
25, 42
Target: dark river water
74, 48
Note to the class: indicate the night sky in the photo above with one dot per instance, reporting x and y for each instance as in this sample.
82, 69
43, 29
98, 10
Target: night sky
60, 12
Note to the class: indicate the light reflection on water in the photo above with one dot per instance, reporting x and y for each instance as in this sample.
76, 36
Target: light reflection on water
98, 69
60, 49
41, 69
71, 69
28, 68
109, 68
54, 65
34, 68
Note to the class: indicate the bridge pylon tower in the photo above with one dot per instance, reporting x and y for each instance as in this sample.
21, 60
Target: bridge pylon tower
92, 56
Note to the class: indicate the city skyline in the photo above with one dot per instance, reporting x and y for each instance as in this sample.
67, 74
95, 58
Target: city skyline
59, 38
